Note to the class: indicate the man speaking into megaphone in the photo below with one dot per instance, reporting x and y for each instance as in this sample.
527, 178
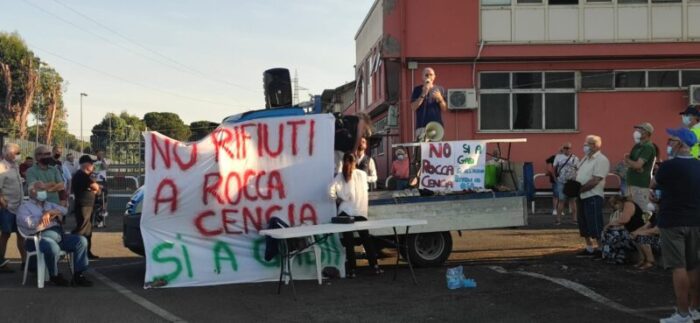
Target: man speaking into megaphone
428, 100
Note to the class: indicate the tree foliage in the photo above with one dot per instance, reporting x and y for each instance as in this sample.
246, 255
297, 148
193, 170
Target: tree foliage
27, 85
201, 129
116, 128
167, 123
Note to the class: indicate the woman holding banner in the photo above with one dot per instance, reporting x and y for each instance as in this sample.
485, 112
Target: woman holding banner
350, 188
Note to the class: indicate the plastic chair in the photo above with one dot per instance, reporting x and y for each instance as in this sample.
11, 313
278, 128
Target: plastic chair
312, 246
42, 272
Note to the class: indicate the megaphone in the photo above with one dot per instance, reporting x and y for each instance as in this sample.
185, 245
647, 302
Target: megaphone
434, 131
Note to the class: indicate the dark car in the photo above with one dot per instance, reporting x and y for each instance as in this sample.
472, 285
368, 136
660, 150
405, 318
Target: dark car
131, 235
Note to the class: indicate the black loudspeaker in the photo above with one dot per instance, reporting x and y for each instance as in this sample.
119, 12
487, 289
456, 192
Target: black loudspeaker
347, 133
278, 88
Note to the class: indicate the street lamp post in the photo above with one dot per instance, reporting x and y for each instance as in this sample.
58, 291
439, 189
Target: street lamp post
81, 122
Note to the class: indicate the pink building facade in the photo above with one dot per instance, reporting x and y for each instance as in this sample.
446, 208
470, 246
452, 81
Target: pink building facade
551, 71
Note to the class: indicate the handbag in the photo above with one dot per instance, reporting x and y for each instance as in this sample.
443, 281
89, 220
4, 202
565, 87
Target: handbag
572, 188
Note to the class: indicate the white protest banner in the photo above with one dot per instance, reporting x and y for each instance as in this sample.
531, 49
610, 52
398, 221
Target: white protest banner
205, 202
453, 165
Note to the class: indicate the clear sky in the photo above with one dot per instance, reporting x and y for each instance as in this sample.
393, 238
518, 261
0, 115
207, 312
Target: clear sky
201, 59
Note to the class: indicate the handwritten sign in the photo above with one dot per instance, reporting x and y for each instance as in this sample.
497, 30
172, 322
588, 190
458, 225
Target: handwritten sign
453, 165
205, 202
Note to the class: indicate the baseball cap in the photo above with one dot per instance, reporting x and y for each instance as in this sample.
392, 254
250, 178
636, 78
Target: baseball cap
86, 159
646, 126
686, 136
691, 110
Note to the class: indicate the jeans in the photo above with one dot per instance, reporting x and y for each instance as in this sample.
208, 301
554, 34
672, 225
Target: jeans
53, 241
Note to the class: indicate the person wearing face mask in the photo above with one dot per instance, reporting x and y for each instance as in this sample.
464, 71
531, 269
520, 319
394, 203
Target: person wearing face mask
400, 169
39, 215
640, 162
43, 172
428, 101
11, 194
691, 119
592, 170
678, 180
56, 153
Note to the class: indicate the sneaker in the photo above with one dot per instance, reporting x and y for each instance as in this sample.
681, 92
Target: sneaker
58, 280
80, 281
92, 256
677, 318
554, 212
4, 262
101, 224
695, 314
105, 214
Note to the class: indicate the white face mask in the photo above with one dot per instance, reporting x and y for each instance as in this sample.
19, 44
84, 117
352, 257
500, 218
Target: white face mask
586, 149
400, 157
637, 136
686, 120
41, 196
669, 151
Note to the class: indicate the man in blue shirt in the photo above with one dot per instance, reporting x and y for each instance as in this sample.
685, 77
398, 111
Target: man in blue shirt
428, 100
678, 179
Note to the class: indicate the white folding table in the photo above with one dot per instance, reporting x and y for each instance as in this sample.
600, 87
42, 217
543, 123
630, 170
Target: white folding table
283, 234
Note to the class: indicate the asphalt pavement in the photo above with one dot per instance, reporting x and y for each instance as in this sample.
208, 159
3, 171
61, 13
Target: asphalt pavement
523, 275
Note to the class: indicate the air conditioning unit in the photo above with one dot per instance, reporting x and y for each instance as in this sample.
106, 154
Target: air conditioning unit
461, 99
694, 94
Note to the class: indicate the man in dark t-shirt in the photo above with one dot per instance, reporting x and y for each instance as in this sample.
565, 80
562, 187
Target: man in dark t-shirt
678, 181
84, 189
428, 100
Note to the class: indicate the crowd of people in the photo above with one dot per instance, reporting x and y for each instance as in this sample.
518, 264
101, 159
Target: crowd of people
35, 198
657, 212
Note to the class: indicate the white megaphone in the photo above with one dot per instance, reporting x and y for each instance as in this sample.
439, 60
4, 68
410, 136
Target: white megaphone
434, 131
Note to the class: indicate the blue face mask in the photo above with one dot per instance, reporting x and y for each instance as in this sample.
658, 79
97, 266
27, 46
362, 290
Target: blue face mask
686, 120
41, 196
669, 151
586, 149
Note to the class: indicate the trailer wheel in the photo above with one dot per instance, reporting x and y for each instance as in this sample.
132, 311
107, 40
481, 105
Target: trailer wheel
429, 249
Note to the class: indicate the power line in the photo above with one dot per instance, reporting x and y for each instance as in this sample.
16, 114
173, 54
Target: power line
175, 67
192, 70
134, 83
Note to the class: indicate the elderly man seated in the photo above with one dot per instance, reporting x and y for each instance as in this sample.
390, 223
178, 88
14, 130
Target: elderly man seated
39, 215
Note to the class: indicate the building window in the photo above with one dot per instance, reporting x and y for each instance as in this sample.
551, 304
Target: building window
559, 80
495, 81
598, 80
495, 2
629, 79
691, 78
527, 111
536, 101
564, 2
663, 79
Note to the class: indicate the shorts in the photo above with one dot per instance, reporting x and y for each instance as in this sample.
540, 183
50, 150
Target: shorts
8, 221
560, 192
590, 217
679, 247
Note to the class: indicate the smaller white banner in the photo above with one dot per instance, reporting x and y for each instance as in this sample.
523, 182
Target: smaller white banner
453, 165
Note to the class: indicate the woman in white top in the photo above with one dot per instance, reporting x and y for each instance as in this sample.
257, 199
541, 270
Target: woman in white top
350, 188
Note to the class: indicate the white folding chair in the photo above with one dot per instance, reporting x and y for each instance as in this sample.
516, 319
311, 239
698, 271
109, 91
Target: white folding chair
42, 272
316, 249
